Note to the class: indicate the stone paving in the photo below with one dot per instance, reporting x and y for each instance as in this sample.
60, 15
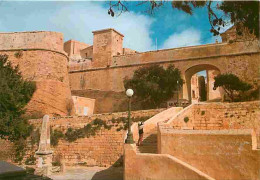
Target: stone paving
90, 173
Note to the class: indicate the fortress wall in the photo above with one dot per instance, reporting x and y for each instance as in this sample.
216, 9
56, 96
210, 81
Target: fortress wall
47, 65
216, 116
34, 39
38, 65
111, 79
186, 53
103, 149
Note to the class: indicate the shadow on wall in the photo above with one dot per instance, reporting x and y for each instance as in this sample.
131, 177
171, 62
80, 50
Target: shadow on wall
109, 101
114, 172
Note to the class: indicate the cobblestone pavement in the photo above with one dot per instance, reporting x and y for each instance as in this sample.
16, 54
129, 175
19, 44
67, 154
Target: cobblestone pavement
90, 173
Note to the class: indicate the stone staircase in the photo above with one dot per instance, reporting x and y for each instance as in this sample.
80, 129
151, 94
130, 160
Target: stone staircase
149, 144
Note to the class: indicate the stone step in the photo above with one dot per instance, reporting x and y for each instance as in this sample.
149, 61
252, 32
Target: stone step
149, 144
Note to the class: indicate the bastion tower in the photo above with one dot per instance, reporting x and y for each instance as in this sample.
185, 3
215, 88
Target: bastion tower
41, 58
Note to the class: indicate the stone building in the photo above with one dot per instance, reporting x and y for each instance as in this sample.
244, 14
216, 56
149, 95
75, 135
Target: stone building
97, 71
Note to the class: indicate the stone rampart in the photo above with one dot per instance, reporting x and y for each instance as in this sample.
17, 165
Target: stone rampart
238, 58
32, 40
187, 53
221, 154
213, 116
41, 58
103, 149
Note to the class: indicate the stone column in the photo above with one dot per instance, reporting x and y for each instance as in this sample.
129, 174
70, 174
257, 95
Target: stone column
44, 153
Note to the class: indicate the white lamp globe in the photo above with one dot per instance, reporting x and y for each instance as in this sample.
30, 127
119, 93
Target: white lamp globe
129, 92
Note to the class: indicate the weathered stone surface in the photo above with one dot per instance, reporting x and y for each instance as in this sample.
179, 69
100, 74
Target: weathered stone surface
110, 66
222, 154
44, 153
103, 149
43, 60
44, 145
157, 166
210, 116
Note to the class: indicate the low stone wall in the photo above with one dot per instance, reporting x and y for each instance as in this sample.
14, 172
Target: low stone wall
103, 149
222, 154
157, 166
150, 126
210, 116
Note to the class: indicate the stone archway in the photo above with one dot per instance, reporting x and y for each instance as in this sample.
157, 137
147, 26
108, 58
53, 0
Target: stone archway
211, 69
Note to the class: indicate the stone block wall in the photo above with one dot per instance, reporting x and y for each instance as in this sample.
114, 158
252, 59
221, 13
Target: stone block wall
103, 149
210, 116
107, 101
41, 58
235, 58
221, 154
34, 39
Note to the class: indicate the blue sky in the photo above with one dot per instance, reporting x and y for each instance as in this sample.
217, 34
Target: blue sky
76, 20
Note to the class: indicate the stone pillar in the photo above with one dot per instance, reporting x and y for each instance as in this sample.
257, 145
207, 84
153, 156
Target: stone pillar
44, 153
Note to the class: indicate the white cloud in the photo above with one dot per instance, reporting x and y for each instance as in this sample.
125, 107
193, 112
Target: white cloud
78, 24
188, 37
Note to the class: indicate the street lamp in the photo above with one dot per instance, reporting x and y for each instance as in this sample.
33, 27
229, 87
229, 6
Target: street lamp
129, 139
177, 93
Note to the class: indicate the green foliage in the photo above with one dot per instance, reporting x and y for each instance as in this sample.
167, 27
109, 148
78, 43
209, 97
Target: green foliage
186, 119
154, 85
56, 160
18, 54
241, 13
220, 14
92, 128
29, 170
19, 150
56, 135
202, 113
30, 160
244, 13
15, 94
35, 137
231, 84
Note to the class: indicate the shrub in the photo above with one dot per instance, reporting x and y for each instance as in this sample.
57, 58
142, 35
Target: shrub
56, 161
35, 137
154, 85
56, 135
30, 160
186, 119
232, 85
15, 94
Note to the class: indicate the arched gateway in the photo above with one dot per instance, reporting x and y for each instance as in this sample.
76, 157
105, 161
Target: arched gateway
105, 64
187, 93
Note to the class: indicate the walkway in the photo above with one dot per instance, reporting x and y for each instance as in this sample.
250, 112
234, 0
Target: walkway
90, 173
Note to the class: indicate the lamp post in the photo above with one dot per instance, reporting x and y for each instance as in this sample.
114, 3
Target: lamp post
129, 139
177, 93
